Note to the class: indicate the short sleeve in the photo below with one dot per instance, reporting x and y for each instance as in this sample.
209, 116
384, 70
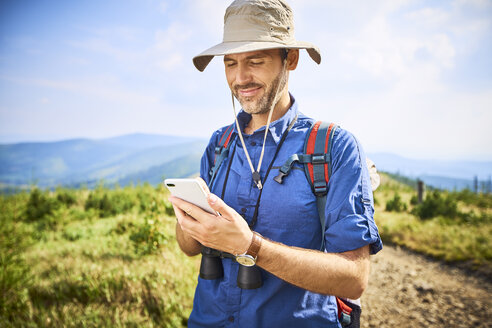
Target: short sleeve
349, 210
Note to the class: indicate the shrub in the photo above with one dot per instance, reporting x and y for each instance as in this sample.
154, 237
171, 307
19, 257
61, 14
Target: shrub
109, 203
414, 200
435, 204
122, 227
396, 204
148, 238
152, 200
169, 208
15, 277
146, 200
39, 206
66, 196
480, 200
72, 234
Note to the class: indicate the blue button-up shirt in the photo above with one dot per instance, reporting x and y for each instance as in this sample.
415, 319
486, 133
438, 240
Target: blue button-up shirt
288, 214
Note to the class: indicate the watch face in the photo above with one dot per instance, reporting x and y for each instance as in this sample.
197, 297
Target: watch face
246, 260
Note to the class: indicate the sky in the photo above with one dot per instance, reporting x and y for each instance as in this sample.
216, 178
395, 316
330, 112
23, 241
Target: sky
409, 77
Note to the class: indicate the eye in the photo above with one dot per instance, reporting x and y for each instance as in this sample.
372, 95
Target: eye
230, 64
257, 62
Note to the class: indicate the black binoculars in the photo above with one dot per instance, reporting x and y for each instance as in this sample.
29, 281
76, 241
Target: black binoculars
211, 268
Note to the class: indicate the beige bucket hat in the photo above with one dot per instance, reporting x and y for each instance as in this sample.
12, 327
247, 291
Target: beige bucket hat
251, 25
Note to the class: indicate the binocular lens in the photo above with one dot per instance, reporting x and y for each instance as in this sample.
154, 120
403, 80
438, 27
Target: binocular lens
211, 268
249, 277
211, 265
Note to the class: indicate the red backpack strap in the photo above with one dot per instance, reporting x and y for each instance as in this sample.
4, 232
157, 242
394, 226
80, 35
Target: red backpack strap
343, 312
317, 165
221, 152
223, 141
318, 145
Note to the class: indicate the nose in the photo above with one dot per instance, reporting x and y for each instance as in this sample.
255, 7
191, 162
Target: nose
243, 74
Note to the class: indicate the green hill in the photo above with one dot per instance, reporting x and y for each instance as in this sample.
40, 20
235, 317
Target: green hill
79, 161
109, 258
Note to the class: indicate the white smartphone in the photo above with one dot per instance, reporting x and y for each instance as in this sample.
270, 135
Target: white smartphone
189, 190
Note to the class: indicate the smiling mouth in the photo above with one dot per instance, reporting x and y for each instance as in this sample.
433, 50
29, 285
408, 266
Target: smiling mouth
249, 92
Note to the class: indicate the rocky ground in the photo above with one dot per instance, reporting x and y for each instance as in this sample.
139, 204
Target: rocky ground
410, 290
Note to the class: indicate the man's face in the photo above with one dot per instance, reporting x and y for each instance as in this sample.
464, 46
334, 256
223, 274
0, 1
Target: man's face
256, 78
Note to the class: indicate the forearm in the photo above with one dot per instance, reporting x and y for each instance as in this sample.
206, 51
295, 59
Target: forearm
188, 245
344, 274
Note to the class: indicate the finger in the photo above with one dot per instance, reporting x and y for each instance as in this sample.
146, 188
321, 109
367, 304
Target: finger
218, 205
180, 214
191, 227
187, 223
190, 209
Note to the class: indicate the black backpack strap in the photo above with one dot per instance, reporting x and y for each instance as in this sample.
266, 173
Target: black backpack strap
221, 152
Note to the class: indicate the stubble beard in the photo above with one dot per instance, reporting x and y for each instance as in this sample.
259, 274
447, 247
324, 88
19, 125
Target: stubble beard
271, 96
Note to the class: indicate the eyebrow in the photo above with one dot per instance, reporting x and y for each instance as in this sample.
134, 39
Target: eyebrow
255, 56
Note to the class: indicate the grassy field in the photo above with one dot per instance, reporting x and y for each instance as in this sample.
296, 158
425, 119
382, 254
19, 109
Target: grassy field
76, 265
109, 258
453, 226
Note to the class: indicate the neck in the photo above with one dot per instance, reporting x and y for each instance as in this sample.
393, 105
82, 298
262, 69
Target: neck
260, 120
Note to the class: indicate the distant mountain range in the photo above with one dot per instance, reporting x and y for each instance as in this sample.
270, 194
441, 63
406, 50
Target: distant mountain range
437, 173
127, 159
138, 158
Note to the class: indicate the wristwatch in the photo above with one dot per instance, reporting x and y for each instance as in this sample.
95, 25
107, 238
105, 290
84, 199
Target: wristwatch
249, 258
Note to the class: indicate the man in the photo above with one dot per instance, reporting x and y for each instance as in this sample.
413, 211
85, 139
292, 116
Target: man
278, 224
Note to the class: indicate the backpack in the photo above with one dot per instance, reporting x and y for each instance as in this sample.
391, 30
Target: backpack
317, 167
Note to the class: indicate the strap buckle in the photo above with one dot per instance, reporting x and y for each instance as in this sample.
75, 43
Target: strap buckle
218, 150
280, 177
318, 159
320, 188
345, 319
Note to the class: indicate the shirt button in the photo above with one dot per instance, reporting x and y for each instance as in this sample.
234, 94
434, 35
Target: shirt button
231, 319
243, 210
253, 143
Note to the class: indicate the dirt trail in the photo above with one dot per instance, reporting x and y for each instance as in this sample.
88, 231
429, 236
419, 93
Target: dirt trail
409, 290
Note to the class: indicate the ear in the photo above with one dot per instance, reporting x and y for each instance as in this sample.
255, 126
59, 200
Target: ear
292, 59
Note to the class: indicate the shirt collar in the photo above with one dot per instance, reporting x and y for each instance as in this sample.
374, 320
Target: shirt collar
277, 128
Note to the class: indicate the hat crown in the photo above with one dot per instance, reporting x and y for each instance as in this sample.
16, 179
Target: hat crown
259, 20
253, 25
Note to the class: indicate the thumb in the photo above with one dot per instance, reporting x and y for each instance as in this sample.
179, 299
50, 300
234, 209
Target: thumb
218, 205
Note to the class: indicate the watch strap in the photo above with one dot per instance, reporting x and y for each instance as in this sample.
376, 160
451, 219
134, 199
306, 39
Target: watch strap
255, 245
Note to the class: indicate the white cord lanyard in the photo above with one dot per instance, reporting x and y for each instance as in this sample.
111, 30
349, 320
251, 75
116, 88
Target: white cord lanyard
256, 173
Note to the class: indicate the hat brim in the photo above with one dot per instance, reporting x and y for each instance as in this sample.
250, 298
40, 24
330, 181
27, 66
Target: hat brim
226, 48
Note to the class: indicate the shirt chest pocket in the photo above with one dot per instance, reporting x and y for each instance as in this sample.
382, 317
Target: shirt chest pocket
288, 211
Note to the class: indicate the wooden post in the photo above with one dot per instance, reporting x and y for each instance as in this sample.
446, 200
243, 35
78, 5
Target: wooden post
420, 190
475, 184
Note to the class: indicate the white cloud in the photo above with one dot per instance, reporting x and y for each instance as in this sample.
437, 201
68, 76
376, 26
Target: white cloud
113, 32
104, 46
384, 79
207, 17
479, 4
390, 72
104, 87
163, 6
169, 46
170, 62
429, 17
